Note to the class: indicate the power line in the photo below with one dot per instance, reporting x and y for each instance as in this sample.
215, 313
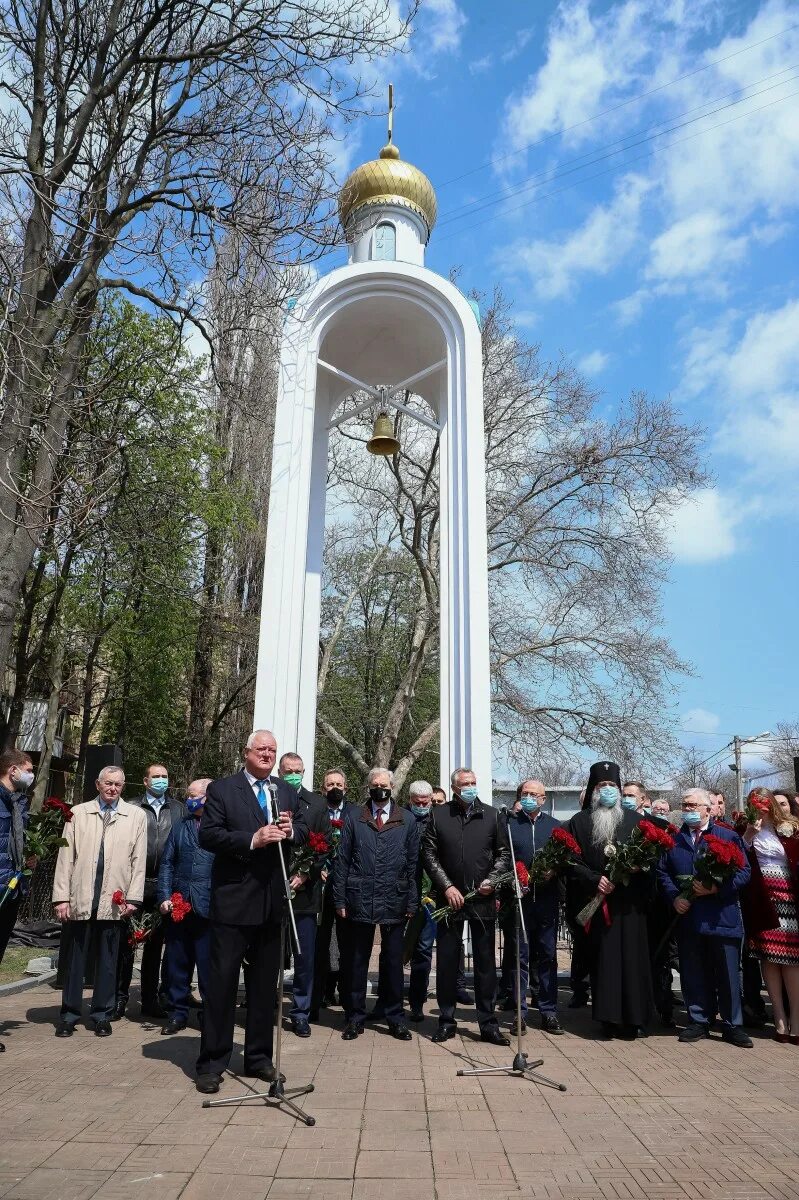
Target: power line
618, 147
615, 108
629, 162
478, 207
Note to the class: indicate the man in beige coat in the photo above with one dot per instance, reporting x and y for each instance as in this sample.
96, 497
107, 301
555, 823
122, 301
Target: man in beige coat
105, 854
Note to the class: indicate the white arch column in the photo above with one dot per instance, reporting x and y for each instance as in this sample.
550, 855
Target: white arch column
333, 313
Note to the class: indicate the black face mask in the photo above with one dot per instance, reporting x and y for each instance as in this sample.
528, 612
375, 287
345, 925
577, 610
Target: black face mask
335, 796
379, 795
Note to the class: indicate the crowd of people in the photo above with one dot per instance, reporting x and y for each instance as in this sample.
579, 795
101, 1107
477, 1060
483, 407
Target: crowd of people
197, 882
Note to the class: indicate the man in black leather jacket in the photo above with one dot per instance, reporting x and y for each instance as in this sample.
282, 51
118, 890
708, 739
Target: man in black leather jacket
464, 849
161, 811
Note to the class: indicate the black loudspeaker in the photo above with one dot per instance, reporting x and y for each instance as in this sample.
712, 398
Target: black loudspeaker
98, 757
796, 773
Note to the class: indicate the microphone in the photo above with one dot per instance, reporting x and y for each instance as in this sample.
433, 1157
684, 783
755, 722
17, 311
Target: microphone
272, 789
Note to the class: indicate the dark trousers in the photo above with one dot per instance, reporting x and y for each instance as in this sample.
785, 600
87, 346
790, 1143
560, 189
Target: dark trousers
152, 983
228, 946
8, 919
187, 944
542, 934
106, 935
322, 972
507, 976
421, 964
709, 975
581, 960
304, 965
390, 969
448, 952
752, 984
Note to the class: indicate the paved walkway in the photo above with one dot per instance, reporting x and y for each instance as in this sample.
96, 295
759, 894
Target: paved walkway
120, 1119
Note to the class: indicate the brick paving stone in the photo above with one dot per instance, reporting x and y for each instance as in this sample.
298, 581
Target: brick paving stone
241, 1160
230, 1187
94, 1156
314, 1189
143, 1185
319, 1163
394, 1164
51, 1182
16, 1153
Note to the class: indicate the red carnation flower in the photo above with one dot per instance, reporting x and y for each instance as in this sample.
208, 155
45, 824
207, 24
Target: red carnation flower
523, 875
337, 823
118, 897
318, 843
652, 833
565, 838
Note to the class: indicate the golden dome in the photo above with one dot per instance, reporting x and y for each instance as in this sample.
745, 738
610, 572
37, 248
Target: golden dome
388, 180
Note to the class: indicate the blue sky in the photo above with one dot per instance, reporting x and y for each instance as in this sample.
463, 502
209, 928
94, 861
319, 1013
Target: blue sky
674, 271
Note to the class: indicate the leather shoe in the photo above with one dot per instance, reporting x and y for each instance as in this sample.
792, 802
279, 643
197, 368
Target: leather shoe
208, 1084
103, 1029
464, 997
399, 1031
550, 1023
119, 1010
444, 1033
2, 1047
301, 1027
173, 1027
266, 1074
579, 1000
693, 1032
737, 1037
514, 1031
493, 1036
64, 1029
352, 1031
416, 1015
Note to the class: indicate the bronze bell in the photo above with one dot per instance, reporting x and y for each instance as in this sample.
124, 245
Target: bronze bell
382, 440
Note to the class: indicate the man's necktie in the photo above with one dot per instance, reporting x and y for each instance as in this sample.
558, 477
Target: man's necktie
264, 803
107, 815
379, 819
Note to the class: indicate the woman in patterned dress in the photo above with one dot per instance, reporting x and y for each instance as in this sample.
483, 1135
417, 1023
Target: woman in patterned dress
771, 906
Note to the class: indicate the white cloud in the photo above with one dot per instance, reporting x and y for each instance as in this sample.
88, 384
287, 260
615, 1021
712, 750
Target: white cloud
594, 248
443, 25
520, 40
703, 529
694, 245
593, 363
699, 720
479, 65
752, 379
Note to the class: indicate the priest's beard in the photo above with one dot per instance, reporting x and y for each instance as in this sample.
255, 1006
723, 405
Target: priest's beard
605, 822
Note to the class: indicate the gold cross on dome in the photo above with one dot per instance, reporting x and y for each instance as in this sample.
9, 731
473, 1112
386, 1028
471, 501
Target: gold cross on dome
390, 112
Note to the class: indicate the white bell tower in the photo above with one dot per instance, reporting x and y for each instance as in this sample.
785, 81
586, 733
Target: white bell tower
384, 316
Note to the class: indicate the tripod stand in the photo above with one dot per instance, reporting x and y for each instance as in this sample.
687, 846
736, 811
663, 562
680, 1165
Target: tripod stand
278, 1096
520, 1067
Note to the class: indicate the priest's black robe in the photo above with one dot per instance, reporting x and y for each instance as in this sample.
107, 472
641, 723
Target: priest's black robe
621, 981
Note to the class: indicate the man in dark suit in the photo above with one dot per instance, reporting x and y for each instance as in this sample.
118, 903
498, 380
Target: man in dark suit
464, 849
162, 812
308, 894
375, 884
531, 829
328, 976
247, 906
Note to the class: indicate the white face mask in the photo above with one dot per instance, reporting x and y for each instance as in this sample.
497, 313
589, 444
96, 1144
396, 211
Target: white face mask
23, 780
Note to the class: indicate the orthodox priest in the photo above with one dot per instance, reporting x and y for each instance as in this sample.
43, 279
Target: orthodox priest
621, 984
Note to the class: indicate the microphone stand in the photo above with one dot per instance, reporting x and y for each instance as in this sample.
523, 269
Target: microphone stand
520, 1067
278, 1096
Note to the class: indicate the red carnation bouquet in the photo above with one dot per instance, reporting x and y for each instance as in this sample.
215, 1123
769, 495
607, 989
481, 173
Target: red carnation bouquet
640, 852
559, 852
118, 898
521, 873
716, 863
755, 808
312, 854
141, 927
180, 907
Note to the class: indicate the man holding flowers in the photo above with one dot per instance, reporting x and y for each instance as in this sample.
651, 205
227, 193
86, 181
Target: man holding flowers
618, 946
702, 877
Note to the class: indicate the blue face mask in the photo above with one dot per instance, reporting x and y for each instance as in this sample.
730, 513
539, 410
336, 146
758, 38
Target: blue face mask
692, 818
195, 806
629, 802
646, 810
158, 785
608, 796
468, 795
419, 811
529, 804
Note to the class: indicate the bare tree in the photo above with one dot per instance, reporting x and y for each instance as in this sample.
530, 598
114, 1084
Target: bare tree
576, 512
132, 134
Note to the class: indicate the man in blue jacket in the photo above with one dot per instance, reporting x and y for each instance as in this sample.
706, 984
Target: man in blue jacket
186, 868
531, 829
16, 776
374, 883
710, 928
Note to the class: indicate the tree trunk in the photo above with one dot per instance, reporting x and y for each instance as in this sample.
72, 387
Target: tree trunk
40, 787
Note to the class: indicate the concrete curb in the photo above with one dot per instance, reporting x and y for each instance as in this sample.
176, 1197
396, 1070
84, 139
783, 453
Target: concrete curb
24, 985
